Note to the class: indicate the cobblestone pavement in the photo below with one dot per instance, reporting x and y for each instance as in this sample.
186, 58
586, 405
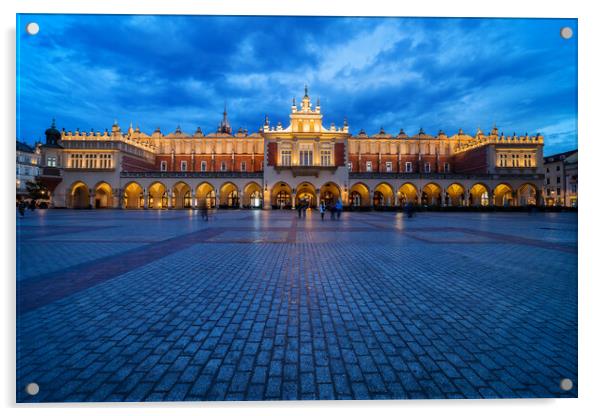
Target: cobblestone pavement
261, 305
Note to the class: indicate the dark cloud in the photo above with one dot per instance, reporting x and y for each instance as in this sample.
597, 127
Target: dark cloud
86, 70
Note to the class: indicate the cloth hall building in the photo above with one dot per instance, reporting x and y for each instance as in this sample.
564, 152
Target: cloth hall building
278, 166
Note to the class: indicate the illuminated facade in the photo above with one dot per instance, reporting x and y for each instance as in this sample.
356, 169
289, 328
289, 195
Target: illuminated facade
278, 166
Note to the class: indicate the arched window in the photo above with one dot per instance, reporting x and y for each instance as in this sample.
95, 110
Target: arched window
233, 199
355, 199
283, 199
256, 199
210, 199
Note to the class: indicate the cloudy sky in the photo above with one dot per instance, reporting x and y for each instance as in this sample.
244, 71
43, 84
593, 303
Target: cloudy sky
165, 71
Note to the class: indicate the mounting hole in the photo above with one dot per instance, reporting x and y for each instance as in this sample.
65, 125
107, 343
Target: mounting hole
32, 389
566, 384
566, 32
32, 28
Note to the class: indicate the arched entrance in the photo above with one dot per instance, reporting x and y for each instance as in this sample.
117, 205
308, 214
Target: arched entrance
252, 197
329, 194
80, 196
383, 196
306, 192
455, 195
229, 196
205, 195
527, 195
431, 195
502, 195
282, 196
359, 195
133, 196
408, 194
479, 195
103, 196
182, 197
157, 196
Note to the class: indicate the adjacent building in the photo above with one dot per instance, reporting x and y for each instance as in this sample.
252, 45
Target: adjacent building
279, 165
28, 165
560, 187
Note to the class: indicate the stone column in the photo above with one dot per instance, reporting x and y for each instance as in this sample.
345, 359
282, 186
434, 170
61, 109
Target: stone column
169, 199
193, 203
293, 199
371, 196
145, 196
92, 200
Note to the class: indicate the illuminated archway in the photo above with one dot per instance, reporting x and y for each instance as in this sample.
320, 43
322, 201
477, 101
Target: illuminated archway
281, 196
329, 194
205, 195
182, 197
455, 195
306, 192
408, 194
79, 195
479, 195
383, 196
103, 195
359, 195
133, 196
229, 196
527, 194
502, 195
252, 195
431, 195
157, 196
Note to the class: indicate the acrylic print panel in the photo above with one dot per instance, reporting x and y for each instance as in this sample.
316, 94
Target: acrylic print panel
295, 208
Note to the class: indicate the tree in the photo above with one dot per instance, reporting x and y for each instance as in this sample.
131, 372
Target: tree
37, 190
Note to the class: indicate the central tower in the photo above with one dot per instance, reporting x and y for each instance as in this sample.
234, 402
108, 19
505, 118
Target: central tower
305, 160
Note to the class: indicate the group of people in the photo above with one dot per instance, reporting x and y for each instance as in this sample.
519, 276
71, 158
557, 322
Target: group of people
22, 205
335, 208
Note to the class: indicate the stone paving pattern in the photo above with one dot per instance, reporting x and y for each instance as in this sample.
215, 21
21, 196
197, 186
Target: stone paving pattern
260, 305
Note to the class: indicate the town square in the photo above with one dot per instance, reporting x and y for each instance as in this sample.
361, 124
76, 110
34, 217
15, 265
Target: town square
261, 305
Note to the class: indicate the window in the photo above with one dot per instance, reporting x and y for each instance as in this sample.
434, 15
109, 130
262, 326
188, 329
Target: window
408, 166
51, 161
557, 191
547, 181
325, 159
389, 166
223, 167
503, 162
77, 161
527, 161
547, 170
183, 166
243, 166
350, 166
203, 166
105, 161
368, 166
446, 167
90, 161
285, 158
548, 191
427, 167
306, 155
514, 161
557, 168
557, 179
163, 166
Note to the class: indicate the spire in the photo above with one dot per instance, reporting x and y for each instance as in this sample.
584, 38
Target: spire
306, 95
224, 125
294, 104
53, 125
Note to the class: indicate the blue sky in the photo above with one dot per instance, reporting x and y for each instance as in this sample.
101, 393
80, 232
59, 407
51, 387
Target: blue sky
164, 71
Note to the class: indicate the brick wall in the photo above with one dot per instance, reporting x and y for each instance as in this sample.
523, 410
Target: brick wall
472, 161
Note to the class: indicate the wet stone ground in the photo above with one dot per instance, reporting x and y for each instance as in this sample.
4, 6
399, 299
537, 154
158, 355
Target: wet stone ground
261, 305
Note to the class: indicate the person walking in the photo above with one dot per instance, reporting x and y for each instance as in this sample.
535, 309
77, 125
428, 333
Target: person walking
305, 206
339, 208
204, 211
322, 210
299, 207
21, 207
